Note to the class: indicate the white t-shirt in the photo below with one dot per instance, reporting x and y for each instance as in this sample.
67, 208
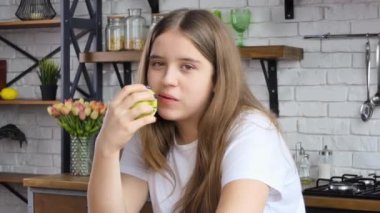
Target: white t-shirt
257, 151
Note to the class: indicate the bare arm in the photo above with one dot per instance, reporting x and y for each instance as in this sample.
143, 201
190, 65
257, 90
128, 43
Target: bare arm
109, 190
135, 192
243, 196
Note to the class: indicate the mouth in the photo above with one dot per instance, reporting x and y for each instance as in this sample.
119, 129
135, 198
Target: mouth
167, 97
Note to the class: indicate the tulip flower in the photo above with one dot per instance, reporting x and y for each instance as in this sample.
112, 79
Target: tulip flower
79, 118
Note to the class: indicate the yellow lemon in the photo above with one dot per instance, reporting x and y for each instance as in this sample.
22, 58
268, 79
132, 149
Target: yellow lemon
152, 103
8, 93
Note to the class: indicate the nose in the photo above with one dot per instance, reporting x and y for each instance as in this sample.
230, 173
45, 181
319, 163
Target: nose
170, 77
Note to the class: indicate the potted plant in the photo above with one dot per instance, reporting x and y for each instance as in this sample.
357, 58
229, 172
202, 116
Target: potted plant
48, 73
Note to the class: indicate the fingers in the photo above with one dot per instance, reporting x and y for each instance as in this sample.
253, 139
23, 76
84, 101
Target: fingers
141, 109
127, 91
130, 110
132, 94
133, 126
117, 130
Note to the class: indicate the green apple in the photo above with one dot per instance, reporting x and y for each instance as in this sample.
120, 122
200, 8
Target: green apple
152, 103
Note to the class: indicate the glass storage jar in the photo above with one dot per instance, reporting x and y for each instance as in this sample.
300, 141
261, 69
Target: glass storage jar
135, 30
115, 33
325, 163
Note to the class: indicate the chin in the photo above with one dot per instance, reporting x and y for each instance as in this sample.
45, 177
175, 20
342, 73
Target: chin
168, 115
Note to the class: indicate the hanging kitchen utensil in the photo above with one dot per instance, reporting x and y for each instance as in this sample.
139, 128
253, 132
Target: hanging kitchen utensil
376, 98
366, 109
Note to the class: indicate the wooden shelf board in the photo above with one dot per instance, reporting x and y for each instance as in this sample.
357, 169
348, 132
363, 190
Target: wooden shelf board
7, 177
16, 24
59, 181
342, 203
253, 52
121, 56
26, 102
280, 52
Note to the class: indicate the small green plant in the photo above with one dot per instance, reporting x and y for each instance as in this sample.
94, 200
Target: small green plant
49, 72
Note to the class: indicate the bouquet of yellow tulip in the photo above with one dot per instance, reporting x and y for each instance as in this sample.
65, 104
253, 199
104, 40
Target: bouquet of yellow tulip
79, 118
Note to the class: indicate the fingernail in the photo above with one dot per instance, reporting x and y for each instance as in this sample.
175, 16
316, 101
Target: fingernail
148, 87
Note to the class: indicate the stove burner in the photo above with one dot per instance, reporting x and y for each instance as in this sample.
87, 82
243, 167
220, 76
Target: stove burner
347, 185
341, 186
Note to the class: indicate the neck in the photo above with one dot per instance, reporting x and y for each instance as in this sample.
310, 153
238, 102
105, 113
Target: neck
187, 132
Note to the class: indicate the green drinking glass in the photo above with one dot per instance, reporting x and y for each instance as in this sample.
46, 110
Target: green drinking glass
240, 19
217, 13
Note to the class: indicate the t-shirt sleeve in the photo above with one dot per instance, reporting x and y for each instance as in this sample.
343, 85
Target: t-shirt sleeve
131, 161
257, 151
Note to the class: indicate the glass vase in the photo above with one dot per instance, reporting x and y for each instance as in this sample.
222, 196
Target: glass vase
80, 157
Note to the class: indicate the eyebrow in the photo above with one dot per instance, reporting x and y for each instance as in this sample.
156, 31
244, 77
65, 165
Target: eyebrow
182, 59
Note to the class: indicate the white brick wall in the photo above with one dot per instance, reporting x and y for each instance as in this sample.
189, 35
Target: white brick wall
320, 96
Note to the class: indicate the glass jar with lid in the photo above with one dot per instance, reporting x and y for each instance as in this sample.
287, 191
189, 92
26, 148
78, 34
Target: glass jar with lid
325, 163
135, 30
114, 33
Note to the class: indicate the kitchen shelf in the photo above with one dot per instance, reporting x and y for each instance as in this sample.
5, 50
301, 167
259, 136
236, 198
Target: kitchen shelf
279, 52
29, 24
27, 102
109, 57
18, 24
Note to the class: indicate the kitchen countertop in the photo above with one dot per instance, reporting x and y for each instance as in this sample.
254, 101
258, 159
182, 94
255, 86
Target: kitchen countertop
79, 183
58, 181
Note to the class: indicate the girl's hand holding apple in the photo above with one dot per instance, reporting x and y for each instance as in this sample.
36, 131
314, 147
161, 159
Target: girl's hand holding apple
132, 108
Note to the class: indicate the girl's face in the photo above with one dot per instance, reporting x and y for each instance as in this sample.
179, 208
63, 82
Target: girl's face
180, 76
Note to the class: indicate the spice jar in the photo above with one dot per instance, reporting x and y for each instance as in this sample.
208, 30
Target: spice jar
325, 161
115, 33
135, 30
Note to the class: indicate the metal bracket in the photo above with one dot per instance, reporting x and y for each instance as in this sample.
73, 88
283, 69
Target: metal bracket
289, 9
270, 74
127, 73
154, 5
16, 193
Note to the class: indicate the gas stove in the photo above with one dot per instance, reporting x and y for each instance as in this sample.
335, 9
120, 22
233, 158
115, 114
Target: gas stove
346, 193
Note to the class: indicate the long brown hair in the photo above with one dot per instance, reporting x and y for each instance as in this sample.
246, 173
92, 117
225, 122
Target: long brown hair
231, 96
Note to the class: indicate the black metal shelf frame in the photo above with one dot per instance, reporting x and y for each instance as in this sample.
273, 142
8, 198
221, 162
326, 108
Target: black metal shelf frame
127, 73
93, 26
289, 9
31, 57
270, 75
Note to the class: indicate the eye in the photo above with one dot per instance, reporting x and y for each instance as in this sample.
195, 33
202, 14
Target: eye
187, 67
156, 64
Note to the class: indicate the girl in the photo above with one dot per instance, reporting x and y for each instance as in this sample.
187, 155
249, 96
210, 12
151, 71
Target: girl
211, 147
